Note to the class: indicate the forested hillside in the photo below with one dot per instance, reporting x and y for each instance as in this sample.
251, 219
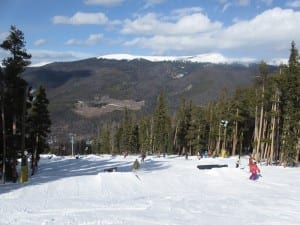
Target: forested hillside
85, 94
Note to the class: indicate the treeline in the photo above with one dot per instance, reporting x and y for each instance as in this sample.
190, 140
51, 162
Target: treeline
263, 120
25, 120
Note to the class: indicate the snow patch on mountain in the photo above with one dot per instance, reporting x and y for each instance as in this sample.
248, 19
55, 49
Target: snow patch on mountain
201, 58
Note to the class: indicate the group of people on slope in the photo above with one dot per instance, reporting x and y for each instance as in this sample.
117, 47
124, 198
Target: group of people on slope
253, 168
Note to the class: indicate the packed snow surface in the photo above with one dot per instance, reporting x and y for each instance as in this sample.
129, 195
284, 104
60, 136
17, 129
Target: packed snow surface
164, 191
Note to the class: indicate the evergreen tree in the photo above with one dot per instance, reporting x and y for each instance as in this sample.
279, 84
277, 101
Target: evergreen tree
135, 139
242, 110
14, 65
197, 137
118, 139
105, 140
126, 135
145, 134
290, 108
39, 125
3, 130
161, 125
184, 120
294, 58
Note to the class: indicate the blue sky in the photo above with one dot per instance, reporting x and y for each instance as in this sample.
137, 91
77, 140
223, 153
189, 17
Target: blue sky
67, 30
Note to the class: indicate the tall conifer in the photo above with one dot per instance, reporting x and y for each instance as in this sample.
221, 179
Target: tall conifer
161, 125
14, 65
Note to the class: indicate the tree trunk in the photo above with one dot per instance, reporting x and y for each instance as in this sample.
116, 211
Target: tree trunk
210, 142
258, 150
14, 157
3, 142
255, 138
235, 136
24, 168
34, 155
219, 141
264, 144
273, 128
297, 153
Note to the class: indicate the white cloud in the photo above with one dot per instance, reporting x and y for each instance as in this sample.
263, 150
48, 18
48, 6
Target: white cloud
161, 45
227, 3
150, 3
80, 18
150, 24
186, 11
226, 6
197, 33
47, 56
105, 3
261, 30
294, 4
92, 40
39, 42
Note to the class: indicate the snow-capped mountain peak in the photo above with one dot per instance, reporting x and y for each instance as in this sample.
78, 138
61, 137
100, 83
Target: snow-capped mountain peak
201, 58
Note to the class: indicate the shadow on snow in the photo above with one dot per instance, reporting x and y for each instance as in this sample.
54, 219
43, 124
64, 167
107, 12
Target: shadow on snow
51, 169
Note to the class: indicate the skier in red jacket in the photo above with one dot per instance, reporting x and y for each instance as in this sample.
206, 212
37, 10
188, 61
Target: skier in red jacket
254, 170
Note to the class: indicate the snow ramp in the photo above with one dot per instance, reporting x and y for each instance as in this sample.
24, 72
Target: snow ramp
118, 185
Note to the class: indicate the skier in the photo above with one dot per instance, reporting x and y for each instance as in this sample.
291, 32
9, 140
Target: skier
143, 157
237, 164
198, 155
254, 170
186, 155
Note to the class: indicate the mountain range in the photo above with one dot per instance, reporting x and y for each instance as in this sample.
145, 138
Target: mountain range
85, 94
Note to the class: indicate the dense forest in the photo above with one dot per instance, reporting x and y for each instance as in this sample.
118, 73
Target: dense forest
263, 120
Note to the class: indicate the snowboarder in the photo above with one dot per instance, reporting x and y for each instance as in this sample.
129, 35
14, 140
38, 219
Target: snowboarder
254, 170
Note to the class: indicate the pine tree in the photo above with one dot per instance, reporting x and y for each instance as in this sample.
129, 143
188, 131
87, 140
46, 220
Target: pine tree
105, 140
242, 114
135, 139
3, 130
184, 120
145, 134
259, 136
14, 65
197, 135
294, 58
39, 125
126, 132
161, 125
291, 107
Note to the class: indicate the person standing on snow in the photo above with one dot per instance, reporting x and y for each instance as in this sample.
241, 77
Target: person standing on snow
254, 170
